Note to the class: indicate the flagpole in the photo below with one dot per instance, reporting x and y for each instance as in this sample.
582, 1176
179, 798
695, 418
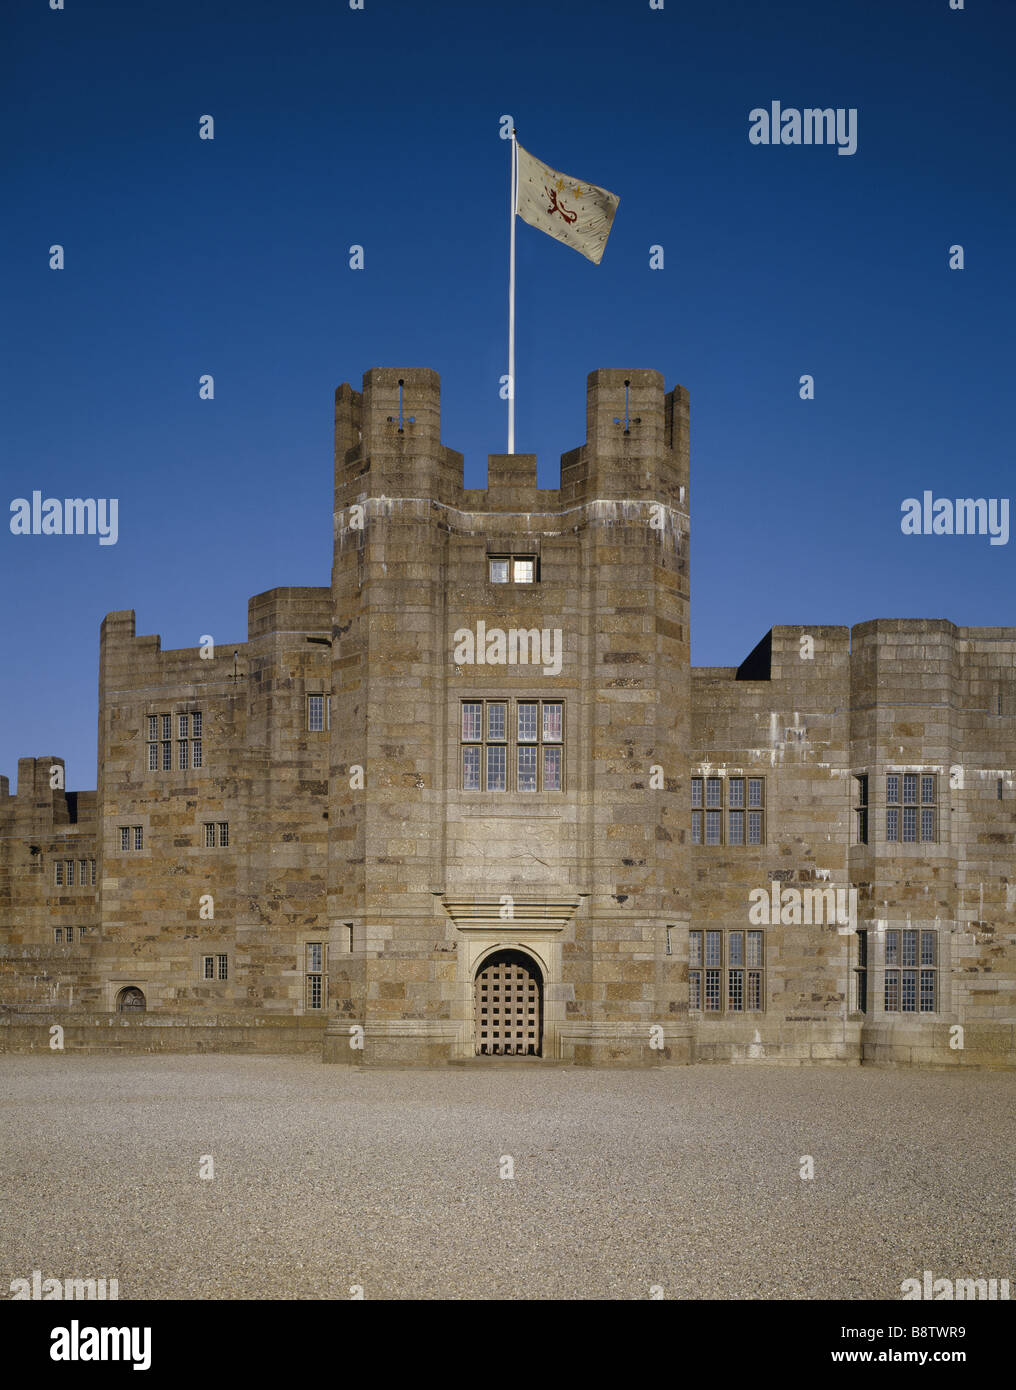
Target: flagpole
513, 198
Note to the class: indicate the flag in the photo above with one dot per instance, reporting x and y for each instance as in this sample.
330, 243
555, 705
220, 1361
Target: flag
569, 210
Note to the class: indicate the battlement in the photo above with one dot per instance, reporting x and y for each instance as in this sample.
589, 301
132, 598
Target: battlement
388, 444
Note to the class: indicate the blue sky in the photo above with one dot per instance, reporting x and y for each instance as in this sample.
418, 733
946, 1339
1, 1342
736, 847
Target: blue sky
380, 127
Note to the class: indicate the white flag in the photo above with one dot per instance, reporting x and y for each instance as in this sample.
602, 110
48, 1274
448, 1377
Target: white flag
577, 213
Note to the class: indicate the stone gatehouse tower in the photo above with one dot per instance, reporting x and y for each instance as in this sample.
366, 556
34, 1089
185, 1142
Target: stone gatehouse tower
472, 798
507, 803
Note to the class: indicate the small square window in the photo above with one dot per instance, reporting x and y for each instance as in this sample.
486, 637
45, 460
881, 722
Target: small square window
523, 571
498, 571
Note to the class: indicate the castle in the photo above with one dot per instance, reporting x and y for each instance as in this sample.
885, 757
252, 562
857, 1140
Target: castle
472, 799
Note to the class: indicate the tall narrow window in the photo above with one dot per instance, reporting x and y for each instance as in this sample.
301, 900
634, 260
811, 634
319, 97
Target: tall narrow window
861, 807
861, 973
316, 713
58, 877
315, 974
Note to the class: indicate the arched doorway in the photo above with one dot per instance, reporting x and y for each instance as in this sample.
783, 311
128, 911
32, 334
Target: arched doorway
508, 994
131, 1001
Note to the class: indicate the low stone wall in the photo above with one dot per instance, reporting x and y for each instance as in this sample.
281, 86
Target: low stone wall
940, 1045
834, 1043
20, 1032
857, 1043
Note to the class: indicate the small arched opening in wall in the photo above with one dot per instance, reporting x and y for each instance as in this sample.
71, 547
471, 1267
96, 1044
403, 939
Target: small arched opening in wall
131, 1001
508, 1005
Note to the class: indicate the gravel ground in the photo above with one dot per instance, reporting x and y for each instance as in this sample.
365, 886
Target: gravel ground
327, 1177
